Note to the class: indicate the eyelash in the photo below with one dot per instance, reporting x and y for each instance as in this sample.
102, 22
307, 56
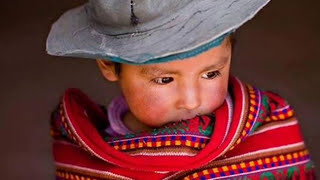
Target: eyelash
161, 80
214, 73
158, 80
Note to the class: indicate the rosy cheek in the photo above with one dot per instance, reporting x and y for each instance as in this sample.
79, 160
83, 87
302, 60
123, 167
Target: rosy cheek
214, 95
151, 108
156, 106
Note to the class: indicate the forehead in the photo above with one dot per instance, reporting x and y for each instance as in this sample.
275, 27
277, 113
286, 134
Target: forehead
207, 60
214, 57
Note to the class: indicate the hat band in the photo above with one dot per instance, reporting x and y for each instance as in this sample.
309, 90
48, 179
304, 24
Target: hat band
179, 56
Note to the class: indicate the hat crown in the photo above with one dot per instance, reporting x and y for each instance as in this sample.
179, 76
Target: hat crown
124, 13
147, 31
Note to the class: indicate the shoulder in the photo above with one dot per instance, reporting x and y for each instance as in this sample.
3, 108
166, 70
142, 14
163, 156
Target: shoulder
269, 123
73, 106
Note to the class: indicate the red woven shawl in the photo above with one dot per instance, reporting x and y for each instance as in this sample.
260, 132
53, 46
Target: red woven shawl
255, 137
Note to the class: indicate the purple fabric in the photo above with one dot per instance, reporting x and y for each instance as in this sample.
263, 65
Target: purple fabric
116, 111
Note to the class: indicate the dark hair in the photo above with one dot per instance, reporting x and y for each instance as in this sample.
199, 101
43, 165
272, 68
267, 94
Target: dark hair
233, 41
117, 66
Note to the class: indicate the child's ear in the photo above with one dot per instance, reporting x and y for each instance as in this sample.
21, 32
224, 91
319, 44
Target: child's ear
107, 69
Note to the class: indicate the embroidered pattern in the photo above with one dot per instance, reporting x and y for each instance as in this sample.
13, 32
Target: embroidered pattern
262, 110
252, 166
197, 142
254, 108
77, 174
64, 128
281, 114
73, 176
193, 133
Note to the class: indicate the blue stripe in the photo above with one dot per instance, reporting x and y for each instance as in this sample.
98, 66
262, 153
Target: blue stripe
178, 56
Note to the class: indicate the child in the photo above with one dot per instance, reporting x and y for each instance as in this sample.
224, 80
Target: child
181, 116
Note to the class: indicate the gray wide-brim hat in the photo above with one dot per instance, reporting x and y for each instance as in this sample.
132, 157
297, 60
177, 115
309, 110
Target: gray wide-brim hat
147, 31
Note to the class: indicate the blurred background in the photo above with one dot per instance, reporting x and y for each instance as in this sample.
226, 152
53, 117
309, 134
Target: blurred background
278, 50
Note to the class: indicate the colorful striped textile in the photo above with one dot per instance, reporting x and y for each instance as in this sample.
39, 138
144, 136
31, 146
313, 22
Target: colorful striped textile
253, 135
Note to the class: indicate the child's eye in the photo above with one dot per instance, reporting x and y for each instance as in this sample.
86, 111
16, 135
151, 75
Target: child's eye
163, 80
210, 75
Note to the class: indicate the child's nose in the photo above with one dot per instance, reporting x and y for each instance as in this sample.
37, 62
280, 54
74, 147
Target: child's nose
189, 98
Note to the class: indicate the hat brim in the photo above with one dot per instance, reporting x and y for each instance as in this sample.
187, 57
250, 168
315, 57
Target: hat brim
203, 25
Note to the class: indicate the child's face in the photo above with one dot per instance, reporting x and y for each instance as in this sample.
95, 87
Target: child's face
177, 90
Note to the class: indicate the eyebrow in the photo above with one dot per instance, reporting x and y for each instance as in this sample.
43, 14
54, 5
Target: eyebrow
160, 71
218, 65
156, 71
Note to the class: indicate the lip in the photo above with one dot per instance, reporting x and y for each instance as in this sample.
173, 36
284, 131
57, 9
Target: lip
187, 117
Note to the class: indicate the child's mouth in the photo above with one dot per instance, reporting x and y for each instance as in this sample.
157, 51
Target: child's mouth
187, 117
